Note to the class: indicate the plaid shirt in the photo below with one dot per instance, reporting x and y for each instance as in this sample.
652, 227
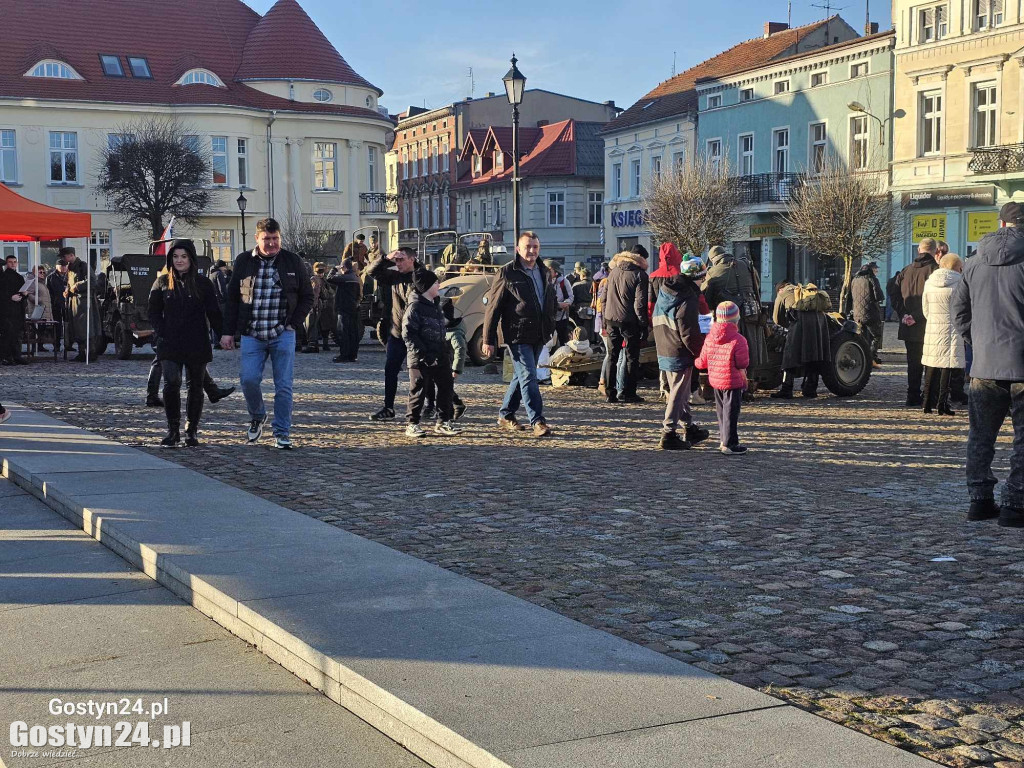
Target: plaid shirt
269, 308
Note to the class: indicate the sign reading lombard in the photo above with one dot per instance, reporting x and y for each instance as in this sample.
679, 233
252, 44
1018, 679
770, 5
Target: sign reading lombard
940, 198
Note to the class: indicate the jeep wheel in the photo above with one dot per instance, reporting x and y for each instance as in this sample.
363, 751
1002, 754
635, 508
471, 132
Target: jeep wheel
850, 367
124, 344
476, 352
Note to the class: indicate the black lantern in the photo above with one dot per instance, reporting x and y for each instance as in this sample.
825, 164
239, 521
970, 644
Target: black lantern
241, 210
515, 85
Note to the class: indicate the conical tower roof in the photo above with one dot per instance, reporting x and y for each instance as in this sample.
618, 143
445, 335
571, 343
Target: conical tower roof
286, 45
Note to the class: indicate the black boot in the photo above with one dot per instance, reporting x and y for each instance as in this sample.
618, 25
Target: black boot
219, 393
926, 397
696, 434
786, 390
191, 434
810, 386
982, 509
173, 438
154, 401
671, 441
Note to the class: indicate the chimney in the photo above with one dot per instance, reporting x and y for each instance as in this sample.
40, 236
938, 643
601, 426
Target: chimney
871, 29
774, 27
490, 94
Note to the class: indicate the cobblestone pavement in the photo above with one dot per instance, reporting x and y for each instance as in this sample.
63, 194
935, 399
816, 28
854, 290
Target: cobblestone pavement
832, 566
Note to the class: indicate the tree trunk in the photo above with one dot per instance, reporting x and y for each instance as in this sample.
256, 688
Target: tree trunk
157, 223
844, 293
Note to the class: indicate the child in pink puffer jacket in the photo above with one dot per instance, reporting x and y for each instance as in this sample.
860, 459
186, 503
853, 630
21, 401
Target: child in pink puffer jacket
725, 357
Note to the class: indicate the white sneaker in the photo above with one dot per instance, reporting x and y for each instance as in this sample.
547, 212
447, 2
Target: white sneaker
414, 430
696, 398
447, 428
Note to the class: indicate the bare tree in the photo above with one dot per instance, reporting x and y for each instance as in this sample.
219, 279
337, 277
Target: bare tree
694, 206
312, 236
839, 214
151, 171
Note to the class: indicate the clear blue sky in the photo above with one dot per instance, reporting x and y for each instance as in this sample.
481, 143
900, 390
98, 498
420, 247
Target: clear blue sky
420, 52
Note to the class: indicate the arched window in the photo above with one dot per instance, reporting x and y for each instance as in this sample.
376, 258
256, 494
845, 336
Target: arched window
200, 77
322, 94
53, 68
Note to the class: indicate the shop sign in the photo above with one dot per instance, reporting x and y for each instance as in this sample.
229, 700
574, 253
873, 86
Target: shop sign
757, 231
628, 218
941, 198
980, 224
929, 225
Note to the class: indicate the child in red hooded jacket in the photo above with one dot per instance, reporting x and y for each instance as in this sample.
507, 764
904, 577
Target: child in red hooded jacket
726, 356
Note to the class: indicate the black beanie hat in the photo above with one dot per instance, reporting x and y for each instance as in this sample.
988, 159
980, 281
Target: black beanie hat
422, 279
639, 250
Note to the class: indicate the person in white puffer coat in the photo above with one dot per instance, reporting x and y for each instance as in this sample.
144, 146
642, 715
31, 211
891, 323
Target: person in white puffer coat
944, 352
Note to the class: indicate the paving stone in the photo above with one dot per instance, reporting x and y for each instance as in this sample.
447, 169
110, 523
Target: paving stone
881, 646
973, 753
968, 735
923, 738
984, 723
1007, 749
929, 722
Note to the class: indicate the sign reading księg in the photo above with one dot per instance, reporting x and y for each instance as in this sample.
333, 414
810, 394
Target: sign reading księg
633, 218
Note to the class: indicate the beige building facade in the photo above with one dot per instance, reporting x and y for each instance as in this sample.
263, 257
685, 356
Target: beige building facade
958, 94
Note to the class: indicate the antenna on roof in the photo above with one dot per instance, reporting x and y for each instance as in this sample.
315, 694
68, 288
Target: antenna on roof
789, 16
472, 82
827, 7
673, 63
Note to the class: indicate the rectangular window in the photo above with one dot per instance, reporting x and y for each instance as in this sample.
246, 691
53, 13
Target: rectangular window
478, 165
8, 156
715, 101
715, 153
63, 157
499, 161
556, 209
191, 143
497, 212
219, 163
819, 143
595, 204
115, 140
444, 152
678, 160
780, 143
747, 94
933, 23
985, 111
483, 214
99, 248
747, 154
223, 242
468, 223
781, 86
858, 70
421, 169
415, 213
405, 163
656, 168
111, 65
634, 178
139, 67
859, 143
987, 13
371, 169
446, 213
424, 213
931, 123
617, 181
242, 155
415, 161
435, 215
325, 165
819, 78
18, 251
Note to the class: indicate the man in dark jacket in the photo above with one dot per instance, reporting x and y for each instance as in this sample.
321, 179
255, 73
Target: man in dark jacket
988, 311
430, 366
269, 297
12, 313
348, 293
867, 305
625, 315
907, 306
57, 283
521, 316
394, 272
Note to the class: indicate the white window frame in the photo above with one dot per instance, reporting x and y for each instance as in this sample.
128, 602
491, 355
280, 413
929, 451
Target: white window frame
8, 155
746, 94
678, 159
714, 101
780, 87
100, 240
242, 161
617, 181
814, 144
435, 210
446, 212
930, 27
415, 160
64, 150
323, 95
200, 77
556, 208
635, 177
930, 124
823, 75
497, 212
985, 16
780, 150
445, 152
655, 167
415, 204
595, 208
216, 155
325, 159
371, 169
713, 152
468, 211
745, 154
20, 251
405, 162
856, 67
114, 140
483, 213
223, 247
989, 114
860, 142
55, 69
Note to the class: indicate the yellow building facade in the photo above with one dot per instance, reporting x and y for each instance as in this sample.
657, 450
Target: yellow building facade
958, 132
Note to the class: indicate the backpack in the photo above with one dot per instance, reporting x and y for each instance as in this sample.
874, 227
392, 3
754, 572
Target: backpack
807, 298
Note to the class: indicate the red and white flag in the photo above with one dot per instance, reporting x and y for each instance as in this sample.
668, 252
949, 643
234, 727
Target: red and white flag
168, 234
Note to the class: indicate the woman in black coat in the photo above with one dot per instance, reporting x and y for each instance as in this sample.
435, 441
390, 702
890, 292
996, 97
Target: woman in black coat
180, 304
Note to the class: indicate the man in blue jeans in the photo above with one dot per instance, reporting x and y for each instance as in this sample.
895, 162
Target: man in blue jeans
396, 271
987, 308
268, 297
521, 316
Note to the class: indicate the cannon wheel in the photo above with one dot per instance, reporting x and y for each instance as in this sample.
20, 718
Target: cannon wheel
850, 367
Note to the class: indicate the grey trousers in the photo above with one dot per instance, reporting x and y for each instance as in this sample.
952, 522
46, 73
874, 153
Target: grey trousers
987, 408
677, 407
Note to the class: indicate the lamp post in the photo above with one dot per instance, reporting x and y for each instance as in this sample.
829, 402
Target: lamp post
856, 106
515, 83
241, 210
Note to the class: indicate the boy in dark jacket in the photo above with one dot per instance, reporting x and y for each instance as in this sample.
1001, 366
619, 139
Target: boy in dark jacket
455, 335
424, 334
677, 336
348, 293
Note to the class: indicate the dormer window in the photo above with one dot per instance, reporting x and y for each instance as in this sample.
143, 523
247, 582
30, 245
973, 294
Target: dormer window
111, 65
139, 67
478, 165
200, 77
53, 68
323, 95
499, 160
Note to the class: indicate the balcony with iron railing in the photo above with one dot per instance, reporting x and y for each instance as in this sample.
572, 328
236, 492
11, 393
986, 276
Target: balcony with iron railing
379, 203
767, 188
1001, 160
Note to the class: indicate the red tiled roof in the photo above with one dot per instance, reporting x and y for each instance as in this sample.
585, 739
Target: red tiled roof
678, 94
475, 138
165, 32
548, 151
287, 44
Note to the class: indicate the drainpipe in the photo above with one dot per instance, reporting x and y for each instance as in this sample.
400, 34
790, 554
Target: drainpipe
270, 163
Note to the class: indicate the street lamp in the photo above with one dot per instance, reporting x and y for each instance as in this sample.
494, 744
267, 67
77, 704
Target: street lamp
241, 210
856, 106
515, 84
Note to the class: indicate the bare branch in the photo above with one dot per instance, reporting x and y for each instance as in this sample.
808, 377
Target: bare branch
312, 236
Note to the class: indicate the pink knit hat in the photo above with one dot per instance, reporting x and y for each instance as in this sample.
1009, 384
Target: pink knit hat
727, 312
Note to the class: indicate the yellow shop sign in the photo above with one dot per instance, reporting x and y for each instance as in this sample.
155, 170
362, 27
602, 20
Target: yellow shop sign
980, 224
929, 225
758, 231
